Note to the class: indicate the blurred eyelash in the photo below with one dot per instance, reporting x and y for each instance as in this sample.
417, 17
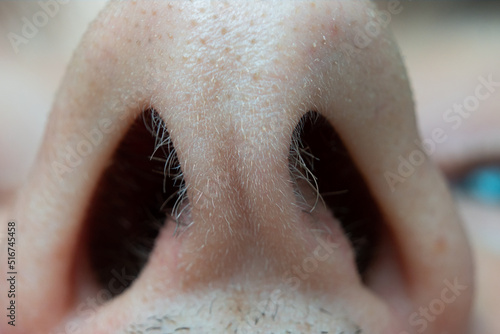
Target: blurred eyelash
165, 152
324, 174
301, 165
141, 190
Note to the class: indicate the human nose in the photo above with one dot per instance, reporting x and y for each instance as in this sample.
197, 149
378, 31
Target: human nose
228, 93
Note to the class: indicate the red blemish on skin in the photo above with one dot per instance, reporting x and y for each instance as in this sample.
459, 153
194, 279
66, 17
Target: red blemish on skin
440, 246
335, 29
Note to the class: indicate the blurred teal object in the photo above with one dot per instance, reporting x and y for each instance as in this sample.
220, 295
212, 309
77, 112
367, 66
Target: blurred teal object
482, 184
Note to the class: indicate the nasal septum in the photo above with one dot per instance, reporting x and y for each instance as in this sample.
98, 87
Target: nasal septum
287, 213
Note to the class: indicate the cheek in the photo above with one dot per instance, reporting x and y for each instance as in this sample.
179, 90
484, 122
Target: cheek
481, 222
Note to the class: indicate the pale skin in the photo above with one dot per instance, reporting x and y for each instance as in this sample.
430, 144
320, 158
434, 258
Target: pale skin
231, 83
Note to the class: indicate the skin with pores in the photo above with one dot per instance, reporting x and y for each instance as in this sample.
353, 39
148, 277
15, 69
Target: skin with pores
231, 83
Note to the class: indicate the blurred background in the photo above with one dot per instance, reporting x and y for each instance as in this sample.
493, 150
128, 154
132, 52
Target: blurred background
450, 48
447, 47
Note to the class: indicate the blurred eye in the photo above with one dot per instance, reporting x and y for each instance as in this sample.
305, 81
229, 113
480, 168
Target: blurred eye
481, 184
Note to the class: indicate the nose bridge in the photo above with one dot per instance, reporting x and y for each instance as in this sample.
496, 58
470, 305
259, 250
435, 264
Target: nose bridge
231, 124
240, 195
243, 171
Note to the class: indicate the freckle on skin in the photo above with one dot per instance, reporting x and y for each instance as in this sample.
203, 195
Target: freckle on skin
223, 31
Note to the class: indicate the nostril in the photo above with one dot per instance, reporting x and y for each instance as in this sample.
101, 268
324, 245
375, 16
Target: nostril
320, 162
141, 188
